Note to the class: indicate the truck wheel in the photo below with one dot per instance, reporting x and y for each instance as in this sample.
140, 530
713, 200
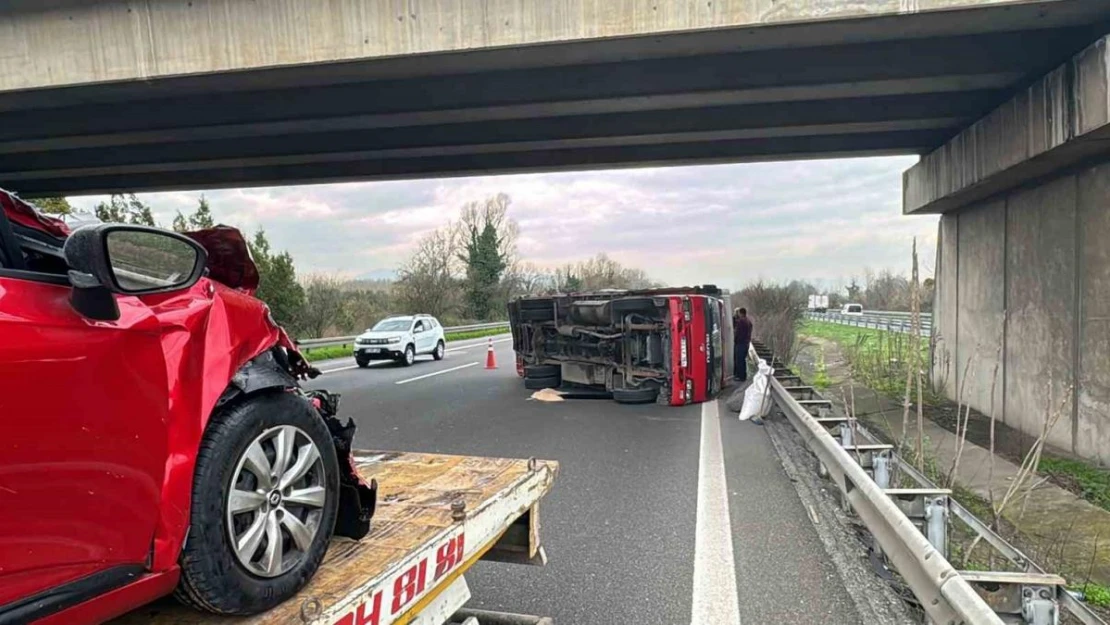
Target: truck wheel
440, 352
542, 371
265, 499
635, 395
536, 384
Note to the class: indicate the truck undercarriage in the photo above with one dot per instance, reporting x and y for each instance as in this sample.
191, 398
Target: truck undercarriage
629, 343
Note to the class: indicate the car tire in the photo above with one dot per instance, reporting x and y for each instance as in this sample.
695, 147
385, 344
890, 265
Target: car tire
542, 371
408, 356
214, 576
362, 362
645, 395
536, 384
440, 351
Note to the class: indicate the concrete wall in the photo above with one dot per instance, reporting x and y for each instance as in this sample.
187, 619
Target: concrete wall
1040, 294
981, 296
63, 43
1093, 411
1032, 268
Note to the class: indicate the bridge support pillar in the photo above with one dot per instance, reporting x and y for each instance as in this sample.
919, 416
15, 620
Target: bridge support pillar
1023, 265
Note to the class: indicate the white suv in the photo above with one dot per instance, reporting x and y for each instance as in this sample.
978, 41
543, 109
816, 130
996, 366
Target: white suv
401, 338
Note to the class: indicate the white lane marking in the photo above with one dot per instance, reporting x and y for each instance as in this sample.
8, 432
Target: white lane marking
434, 373
715, 597
373, 364
465, 347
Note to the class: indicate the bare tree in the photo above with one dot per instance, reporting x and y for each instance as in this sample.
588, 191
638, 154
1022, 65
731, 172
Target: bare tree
428, 281
601, 272
323, 307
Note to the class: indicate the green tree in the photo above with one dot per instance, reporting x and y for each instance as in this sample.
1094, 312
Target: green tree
200, 219
488, 238
278, 285
484, 266
128, 209
54, 205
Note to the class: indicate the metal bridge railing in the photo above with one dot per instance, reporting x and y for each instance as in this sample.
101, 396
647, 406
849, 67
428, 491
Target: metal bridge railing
878, 320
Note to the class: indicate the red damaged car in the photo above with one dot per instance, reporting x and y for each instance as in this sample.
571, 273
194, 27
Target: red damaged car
658, 345
153, 436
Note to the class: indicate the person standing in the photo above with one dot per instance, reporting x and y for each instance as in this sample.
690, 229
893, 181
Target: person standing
742, 340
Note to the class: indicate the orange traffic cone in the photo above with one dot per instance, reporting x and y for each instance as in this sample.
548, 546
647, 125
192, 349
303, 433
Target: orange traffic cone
491, 362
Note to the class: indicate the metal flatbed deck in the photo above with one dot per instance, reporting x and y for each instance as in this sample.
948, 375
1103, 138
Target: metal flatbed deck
437, 515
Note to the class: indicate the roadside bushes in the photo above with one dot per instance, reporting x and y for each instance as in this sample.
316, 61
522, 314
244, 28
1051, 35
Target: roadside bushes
776, 312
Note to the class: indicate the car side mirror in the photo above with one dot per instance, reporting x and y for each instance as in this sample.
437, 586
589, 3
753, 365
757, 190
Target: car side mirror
132, 260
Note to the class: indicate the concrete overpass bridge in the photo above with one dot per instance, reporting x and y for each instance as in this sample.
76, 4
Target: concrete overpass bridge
111, 95
1006, 99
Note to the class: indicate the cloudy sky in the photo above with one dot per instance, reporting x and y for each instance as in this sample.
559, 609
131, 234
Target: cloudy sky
725, 224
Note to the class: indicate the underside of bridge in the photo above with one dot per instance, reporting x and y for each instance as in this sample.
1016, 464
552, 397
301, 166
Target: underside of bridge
901, 84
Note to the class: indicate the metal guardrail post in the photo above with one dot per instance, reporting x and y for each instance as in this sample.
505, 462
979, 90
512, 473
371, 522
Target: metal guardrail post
1032, 597
944, 595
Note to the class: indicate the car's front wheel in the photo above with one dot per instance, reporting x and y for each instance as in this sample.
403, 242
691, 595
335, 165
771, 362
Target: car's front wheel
265, 499
362, 362
440, 351
409, 356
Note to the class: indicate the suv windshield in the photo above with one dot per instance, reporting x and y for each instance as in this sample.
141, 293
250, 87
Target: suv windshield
392, 325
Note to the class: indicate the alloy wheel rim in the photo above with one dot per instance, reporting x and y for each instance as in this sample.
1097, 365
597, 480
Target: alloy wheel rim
410, 355
276, 501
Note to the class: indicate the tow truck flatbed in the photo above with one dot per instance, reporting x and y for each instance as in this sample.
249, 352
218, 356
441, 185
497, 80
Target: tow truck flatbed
437, 516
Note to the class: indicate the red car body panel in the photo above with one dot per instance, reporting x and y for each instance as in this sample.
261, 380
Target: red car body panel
698, 334
119, 601
111, 487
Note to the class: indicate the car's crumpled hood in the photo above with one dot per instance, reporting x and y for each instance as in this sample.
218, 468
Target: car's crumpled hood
26, 215
229, 257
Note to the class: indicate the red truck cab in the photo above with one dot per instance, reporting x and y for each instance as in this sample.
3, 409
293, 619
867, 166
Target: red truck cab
655, 345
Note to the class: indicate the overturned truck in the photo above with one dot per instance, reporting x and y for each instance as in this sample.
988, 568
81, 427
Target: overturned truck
657, 345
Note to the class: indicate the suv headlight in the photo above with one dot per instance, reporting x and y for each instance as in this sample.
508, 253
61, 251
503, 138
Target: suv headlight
393, 339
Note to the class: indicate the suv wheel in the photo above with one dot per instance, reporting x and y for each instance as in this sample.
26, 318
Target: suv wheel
440, 352
409, 356
362, 362
265, 498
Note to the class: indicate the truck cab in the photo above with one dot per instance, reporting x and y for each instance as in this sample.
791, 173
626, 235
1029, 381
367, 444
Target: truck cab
655, 345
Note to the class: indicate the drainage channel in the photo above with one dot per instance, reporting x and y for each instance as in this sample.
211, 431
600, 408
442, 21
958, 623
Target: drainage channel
909, 527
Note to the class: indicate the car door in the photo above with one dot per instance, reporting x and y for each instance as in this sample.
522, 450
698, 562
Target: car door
420, 334
83, 408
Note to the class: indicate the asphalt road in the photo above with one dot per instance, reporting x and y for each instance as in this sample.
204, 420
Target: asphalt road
621, 524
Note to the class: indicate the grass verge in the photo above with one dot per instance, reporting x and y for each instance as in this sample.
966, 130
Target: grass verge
878, 358
1090, 483
341, 351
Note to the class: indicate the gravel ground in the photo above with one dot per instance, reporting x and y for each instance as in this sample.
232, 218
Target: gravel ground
874, 599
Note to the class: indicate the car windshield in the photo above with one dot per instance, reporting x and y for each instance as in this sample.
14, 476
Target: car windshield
391, 325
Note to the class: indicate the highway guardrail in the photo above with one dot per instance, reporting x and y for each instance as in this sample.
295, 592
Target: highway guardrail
890, 321
910, 526
345, 340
